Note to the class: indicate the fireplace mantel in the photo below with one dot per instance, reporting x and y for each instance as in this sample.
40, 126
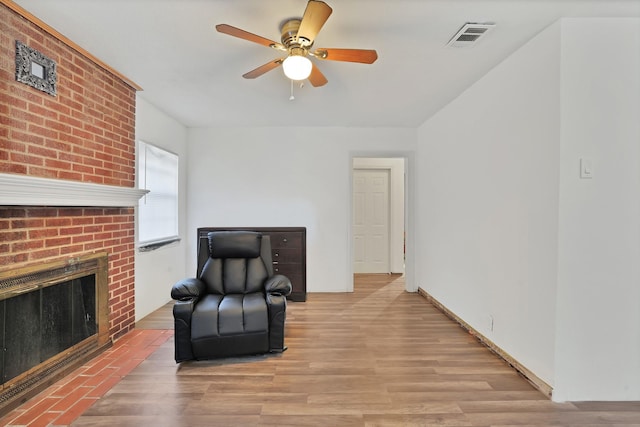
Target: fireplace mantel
23, 190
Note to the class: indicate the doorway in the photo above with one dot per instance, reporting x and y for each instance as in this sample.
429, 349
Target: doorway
378, 215
371, 221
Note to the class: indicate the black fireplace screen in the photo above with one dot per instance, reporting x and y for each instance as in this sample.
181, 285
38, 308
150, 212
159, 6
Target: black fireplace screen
40, 324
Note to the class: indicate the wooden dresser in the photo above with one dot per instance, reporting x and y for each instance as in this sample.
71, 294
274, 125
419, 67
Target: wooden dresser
288, 250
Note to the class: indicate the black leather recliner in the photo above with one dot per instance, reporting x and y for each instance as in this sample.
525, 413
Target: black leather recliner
236, 305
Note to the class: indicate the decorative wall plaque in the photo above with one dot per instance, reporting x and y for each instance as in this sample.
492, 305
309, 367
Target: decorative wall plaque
35, 69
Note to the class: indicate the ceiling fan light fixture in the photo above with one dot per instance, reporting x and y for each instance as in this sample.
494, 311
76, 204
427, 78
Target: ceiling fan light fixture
297, 37
297, 67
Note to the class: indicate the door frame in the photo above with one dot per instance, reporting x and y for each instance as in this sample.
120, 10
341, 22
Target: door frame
409, 267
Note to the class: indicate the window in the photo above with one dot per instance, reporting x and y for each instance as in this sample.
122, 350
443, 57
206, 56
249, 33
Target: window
158, 209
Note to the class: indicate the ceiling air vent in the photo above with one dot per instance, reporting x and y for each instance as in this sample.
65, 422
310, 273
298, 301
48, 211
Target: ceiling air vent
469, 34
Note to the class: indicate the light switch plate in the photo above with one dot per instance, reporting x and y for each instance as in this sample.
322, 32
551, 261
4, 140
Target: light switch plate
586, 169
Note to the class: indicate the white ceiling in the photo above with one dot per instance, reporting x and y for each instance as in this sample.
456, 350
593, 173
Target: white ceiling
187, 69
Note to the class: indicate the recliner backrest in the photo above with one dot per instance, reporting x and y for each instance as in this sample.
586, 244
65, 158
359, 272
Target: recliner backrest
234, 265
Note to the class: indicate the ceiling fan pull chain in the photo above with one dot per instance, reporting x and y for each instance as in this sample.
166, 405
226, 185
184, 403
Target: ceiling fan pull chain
291, 98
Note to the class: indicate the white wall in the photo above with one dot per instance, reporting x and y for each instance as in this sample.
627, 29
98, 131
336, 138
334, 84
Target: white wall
506, 227
285, 177
598, 307
396, 204
488, 202
156, 271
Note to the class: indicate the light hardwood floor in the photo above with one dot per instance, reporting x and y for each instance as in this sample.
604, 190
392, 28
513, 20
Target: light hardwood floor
375, 357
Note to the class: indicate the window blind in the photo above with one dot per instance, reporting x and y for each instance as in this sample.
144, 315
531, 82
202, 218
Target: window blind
158, 209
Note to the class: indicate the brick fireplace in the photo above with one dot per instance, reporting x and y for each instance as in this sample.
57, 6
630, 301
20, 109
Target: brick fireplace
61, 159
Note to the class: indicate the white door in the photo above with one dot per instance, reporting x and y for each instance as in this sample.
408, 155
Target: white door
371, 220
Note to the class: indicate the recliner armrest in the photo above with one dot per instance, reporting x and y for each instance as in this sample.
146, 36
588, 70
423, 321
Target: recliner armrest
187, 288
182, 311
278, 285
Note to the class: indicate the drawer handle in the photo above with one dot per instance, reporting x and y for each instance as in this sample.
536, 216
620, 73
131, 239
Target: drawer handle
275, 262
277, 254
284, 240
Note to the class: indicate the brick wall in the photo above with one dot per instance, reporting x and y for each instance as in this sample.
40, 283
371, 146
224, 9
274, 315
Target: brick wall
85, 133
29, 235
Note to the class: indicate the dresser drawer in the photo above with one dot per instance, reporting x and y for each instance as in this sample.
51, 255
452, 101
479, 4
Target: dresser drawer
287, 269
286, 255
285, 240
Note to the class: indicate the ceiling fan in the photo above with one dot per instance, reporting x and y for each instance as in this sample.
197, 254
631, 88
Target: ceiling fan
297, 37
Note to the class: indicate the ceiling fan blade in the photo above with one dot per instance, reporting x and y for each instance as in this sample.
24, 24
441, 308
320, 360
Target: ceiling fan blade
242, 34
364, 56
315, 15
316, 78
263, 69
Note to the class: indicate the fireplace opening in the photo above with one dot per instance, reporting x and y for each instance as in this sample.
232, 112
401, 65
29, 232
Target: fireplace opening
53, 318
39, 324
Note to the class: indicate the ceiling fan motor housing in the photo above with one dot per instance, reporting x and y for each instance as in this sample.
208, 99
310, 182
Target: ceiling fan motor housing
289, 35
